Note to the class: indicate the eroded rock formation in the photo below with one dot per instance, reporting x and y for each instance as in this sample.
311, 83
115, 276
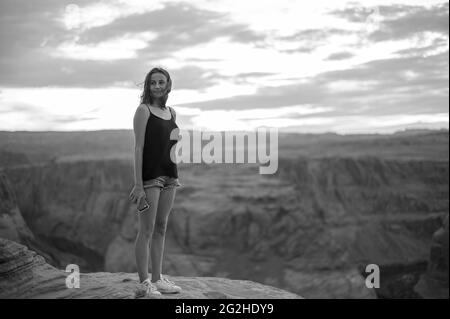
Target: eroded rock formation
434, 283
24, 274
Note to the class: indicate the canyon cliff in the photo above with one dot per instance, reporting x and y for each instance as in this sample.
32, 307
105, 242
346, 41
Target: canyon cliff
311, 228
25, 274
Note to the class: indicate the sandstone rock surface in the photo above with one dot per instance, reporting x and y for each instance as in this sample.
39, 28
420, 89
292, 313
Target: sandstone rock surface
24, 274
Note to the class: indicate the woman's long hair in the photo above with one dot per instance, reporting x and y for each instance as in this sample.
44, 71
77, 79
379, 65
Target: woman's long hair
146, 96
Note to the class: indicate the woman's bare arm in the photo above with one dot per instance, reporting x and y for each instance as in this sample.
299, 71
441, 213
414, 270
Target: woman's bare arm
174, 113
139, 125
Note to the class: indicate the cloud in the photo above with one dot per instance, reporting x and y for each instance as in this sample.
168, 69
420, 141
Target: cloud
125, 47
398, 22
307, 119
315, 35
59, 72
19, 115
25, 29
194, 78
300, 49
310, 39
414, 21
64, 119
42, 52
340, 56
177, 25
361, 14
390, 73
412, 85
19, 108
437, 45
25, 25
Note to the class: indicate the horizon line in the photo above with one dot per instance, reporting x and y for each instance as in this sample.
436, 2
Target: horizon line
243, 131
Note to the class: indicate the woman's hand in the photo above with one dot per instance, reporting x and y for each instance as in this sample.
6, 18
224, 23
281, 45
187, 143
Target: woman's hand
136, 194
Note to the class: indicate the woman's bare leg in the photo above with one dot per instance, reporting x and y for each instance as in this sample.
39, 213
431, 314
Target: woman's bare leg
166, 199
146, 226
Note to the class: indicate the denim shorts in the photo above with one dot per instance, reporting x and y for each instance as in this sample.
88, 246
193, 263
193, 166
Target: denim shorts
163, 182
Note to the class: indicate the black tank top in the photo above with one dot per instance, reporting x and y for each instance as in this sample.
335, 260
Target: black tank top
157, 145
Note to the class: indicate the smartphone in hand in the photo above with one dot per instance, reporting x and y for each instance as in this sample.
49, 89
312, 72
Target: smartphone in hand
142, 205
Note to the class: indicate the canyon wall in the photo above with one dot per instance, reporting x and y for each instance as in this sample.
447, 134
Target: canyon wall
311, 228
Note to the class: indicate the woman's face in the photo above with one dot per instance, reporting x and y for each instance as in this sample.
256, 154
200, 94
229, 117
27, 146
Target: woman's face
158, 84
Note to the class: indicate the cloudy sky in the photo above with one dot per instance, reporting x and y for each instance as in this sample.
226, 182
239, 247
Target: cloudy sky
302, 66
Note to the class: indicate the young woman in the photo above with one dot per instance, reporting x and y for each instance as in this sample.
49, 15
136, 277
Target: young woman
156, 180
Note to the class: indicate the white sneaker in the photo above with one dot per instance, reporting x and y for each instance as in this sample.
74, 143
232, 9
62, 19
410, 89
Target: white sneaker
146, 288
166, 286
